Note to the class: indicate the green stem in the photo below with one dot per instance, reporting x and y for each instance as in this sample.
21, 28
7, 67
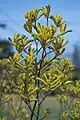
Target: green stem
43, 117
47, 20
41, 61
38, 93
48, 93
47, 54
35, 103
29, 106
32, 112
49, 61
38, 111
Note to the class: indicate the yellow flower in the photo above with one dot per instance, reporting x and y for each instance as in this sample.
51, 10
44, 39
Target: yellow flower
58, 19
45, 33
46, 10
16, 57
14, 43
63, 28
28, 26
35, 13
32, 15
30, 56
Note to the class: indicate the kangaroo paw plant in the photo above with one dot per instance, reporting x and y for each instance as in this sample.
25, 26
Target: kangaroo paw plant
38, 68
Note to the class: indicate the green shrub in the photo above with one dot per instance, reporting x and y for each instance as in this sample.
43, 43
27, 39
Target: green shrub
32, 74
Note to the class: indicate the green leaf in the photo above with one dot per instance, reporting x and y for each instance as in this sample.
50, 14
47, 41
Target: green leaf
63, 33
68, 82
33, 91
42, 80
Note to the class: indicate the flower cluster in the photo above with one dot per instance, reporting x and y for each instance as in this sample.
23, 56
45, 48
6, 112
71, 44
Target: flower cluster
45, 33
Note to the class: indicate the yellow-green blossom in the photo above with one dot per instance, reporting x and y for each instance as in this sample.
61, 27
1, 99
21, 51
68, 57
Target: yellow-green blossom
28, 26
63, 28
45, 33
57, 20
32, 15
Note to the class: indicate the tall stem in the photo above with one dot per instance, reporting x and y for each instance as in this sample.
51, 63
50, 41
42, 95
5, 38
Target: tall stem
38, 93
32, 112
35, 103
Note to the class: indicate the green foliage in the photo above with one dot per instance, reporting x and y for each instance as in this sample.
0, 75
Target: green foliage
70, 102
32, 77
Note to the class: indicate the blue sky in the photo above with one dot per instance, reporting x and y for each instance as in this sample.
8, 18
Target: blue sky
12, 12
